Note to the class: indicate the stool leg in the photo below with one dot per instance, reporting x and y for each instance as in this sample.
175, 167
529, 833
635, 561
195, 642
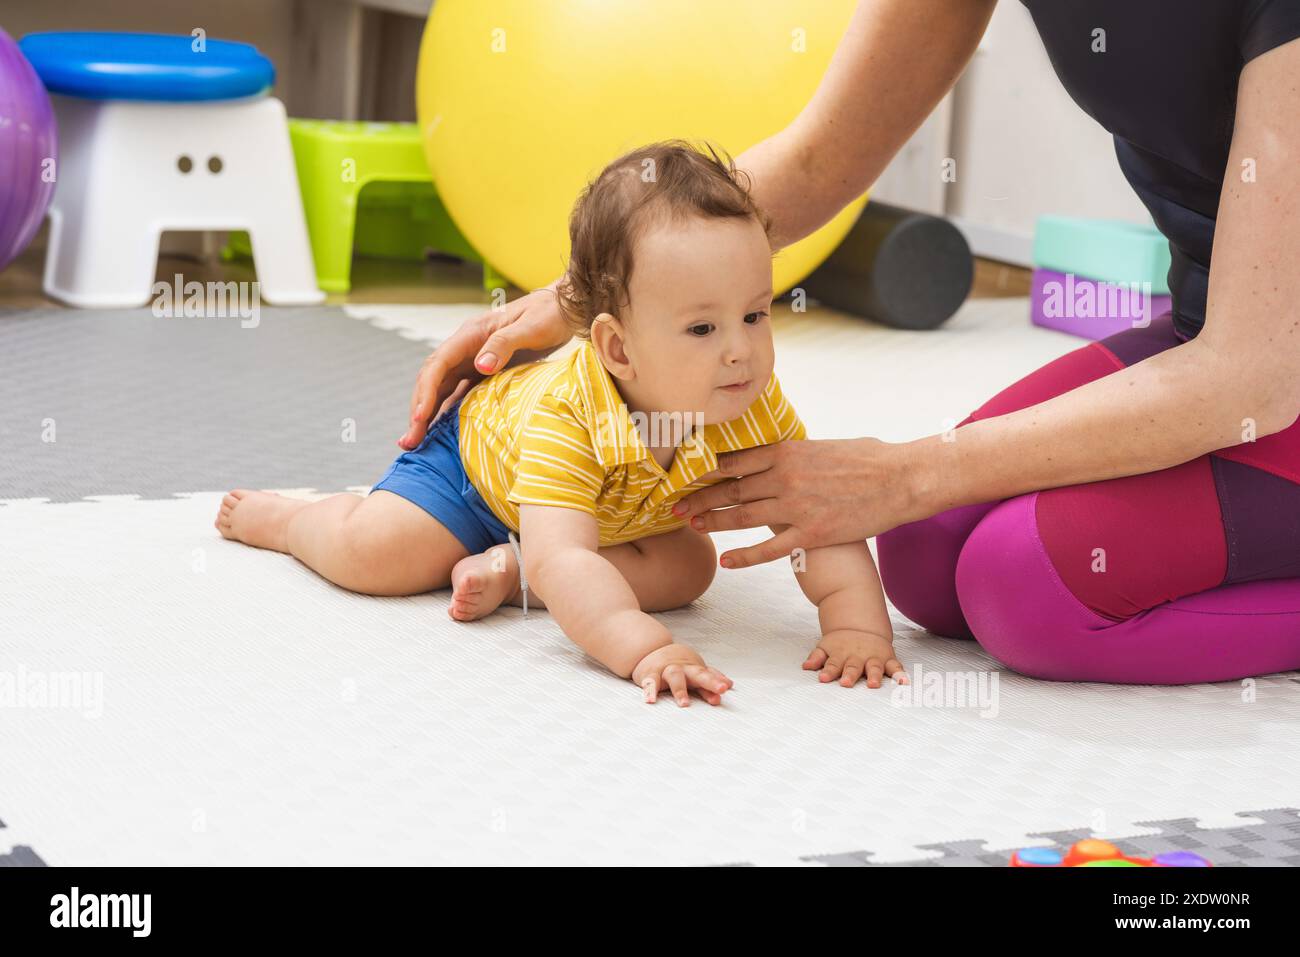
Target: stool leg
97, 259
332, 223
282, 257
273, 211
103, 243
281, 252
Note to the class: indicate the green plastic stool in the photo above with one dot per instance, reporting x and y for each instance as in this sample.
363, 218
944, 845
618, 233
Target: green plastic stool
366, 188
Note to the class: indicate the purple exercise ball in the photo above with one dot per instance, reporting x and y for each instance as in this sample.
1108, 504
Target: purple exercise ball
28, 139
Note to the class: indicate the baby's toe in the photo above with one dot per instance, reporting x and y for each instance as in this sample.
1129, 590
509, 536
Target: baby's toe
463, 610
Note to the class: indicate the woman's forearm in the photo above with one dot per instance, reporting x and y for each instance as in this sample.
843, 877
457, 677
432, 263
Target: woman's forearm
780, 184
1166, 410
893, 65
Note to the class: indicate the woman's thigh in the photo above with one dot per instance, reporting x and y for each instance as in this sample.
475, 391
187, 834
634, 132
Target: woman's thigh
1126, 545
1120, 547
918, 561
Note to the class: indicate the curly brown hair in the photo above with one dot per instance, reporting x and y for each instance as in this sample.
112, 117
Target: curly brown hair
666, 181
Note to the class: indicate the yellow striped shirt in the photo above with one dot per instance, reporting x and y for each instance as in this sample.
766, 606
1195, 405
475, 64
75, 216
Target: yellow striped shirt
557, 432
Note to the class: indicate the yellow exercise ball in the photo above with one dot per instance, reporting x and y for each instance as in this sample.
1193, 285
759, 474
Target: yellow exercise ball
522, 102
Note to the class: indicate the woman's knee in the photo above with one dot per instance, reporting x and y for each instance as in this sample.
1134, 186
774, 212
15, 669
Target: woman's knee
1028, 617
1015, 602
918, 563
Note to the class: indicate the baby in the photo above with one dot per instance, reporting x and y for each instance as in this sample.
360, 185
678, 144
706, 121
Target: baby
669, 290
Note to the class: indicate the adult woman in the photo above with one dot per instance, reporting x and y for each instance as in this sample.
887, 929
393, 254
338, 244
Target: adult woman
1077, 524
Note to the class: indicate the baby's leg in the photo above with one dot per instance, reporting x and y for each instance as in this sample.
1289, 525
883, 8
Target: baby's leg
664, 571
378, 545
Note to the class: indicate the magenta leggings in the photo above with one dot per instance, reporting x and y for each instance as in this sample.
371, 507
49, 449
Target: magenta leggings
1184, 575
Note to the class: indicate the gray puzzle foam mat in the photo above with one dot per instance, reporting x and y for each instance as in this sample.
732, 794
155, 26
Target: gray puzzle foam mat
20, 856
1273, 843
149, 406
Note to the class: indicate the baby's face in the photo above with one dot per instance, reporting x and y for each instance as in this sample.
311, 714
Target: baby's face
699, 331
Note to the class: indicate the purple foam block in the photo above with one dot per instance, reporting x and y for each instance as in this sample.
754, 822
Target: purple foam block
1089, 308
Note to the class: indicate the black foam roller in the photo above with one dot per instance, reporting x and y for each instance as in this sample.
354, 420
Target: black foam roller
895, 266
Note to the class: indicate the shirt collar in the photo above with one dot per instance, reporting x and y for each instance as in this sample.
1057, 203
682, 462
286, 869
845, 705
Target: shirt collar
614, 435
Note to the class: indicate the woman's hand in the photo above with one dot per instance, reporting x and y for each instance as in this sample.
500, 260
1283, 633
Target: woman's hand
827, 491
531, 327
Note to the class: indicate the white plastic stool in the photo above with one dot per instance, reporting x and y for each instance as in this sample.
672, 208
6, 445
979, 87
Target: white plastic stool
160, 132
130, 170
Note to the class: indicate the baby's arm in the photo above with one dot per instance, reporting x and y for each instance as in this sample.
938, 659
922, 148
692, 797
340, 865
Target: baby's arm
598, 610
857, 636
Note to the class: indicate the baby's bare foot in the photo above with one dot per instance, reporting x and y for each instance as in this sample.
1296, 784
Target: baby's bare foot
481, 583
260, 519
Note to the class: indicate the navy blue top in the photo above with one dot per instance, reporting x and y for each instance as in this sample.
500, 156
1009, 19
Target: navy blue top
146, 66
1166, 87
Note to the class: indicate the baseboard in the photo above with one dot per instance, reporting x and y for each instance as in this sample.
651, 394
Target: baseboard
998, 242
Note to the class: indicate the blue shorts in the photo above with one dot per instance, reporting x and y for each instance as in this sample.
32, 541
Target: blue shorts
433, 478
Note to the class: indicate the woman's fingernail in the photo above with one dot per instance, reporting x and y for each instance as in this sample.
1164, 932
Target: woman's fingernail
487, 362
697, 523
678, 508
726, 562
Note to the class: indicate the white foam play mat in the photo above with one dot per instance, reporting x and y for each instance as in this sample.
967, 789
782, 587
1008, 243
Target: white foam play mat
169, 697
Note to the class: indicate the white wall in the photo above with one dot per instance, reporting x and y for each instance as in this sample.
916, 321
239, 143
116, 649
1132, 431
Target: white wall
1024, 148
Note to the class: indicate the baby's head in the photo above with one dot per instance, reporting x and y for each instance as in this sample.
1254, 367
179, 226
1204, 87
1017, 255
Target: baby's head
670, 275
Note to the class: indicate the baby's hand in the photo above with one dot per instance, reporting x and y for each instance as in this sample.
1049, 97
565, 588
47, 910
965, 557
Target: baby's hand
846, 653
679, 669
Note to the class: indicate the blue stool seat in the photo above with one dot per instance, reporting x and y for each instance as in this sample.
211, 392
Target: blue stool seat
146, 66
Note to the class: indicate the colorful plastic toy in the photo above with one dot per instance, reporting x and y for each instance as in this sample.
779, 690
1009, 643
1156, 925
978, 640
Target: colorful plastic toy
28, 151
1095, 853
521, 103
165, 133
366, 189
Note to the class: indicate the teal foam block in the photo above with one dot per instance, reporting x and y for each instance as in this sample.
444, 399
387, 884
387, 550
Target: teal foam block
1103, 249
